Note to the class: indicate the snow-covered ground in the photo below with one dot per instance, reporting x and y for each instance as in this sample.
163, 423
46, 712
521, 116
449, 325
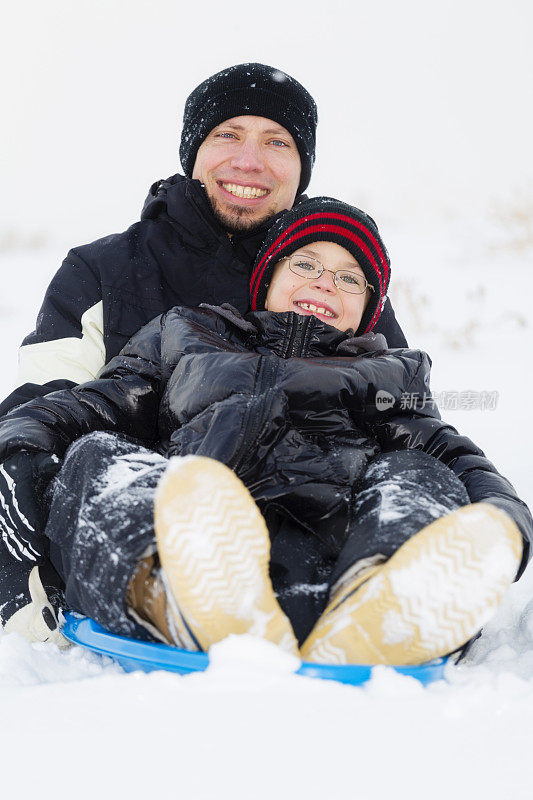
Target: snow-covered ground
73, 724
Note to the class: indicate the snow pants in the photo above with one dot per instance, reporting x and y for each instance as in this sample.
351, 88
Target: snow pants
100, 525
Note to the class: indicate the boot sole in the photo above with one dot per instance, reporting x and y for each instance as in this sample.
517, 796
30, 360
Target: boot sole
430, 597
214, 548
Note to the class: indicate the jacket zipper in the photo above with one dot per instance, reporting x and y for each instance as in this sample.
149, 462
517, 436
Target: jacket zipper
297, 336
265, 378
254, 414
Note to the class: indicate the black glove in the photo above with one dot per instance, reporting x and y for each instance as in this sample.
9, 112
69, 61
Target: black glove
23, 479
29, 586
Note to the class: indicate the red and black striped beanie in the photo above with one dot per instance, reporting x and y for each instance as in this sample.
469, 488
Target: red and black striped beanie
325, 219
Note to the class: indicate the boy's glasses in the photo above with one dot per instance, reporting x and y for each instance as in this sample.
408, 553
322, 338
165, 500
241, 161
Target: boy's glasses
344, 279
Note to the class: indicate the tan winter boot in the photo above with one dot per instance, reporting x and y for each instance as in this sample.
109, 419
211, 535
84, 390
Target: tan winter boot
428, 599
147, 602
214, 548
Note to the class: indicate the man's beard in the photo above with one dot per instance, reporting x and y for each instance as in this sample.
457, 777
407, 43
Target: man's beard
239, 219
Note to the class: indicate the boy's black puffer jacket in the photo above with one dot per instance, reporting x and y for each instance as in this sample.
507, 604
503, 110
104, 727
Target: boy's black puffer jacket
294, 406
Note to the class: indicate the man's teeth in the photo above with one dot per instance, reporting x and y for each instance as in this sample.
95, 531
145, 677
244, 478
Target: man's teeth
317, 309
244, 191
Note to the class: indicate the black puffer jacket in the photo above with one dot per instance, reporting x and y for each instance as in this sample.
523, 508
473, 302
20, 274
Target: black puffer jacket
104, 292
287, 402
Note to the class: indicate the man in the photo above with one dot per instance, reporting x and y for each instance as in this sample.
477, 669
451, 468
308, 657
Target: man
247, 150
248, 144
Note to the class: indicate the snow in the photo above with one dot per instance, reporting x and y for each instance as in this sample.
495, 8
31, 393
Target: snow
249, 728
393, 506
125, 470
423, 123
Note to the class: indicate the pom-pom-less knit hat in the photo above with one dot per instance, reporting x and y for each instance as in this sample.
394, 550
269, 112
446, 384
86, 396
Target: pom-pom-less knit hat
322, 219
256, 90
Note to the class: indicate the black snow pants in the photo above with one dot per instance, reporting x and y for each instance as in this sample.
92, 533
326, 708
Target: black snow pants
100, 525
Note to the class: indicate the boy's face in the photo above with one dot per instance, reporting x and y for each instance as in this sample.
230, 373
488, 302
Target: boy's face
319, 297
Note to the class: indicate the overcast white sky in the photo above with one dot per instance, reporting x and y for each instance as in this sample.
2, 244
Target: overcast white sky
424, 107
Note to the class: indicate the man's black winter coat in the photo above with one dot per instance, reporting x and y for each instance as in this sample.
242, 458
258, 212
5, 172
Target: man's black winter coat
177, 254
289, 403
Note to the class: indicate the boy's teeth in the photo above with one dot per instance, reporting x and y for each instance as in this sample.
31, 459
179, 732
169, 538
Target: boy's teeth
318, 309
244, 191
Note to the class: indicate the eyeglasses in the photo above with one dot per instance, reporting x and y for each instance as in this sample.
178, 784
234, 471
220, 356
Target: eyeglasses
344, 279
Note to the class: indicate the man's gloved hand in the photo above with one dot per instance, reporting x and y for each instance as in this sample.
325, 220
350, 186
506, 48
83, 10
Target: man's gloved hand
23, 478
37, 620
24, 565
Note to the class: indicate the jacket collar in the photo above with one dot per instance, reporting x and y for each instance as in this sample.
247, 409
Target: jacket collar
185, 202
317, 339
272, 329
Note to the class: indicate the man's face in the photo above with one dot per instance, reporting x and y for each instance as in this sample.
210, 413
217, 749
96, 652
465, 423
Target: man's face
250, 167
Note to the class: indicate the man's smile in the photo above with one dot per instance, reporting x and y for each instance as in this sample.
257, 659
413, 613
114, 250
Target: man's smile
250, 167
244, 191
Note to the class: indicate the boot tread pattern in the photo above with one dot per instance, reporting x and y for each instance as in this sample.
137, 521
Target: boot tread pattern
432, 596
214, 548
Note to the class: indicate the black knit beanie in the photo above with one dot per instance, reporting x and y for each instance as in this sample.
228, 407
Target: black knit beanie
325, 219
256, 90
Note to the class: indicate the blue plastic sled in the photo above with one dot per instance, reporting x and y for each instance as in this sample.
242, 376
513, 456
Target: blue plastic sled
133, 654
